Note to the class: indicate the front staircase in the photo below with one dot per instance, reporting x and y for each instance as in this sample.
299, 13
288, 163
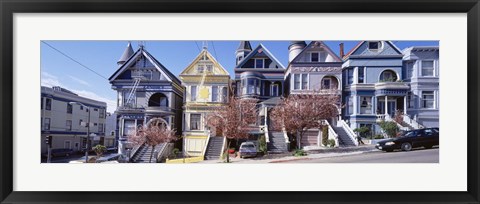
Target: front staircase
344, 140
142, 155
214, 148
276, 143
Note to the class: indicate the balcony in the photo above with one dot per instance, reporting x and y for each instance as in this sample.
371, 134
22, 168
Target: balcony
321, 92
158, 110
391, 85
391, 88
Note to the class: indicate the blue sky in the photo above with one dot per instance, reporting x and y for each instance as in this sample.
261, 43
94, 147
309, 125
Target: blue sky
102, 57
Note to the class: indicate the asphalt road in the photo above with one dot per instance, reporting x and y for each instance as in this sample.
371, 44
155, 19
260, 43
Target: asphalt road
414, 156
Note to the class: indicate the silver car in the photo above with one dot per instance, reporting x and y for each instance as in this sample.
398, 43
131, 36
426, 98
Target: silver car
248, 149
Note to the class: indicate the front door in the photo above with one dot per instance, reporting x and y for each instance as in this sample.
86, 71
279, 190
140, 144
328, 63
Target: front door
392, 106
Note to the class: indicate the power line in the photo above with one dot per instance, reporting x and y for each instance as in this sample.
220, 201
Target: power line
197, 46
73, 59
214, 51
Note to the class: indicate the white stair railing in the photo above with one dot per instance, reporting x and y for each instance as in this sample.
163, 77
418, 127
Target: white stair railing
206, 143
389, 118
224, 145
412, 122
349, 131
331, 134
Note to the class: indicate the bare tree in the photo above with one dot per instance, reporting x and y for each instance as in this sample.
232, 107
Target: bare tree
233, 119
152, 135
299, 113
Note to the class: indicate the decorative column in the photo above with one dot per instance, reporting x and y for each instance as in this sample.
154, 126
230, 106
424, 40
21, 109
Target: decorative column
355, 103
405, 105
386, 105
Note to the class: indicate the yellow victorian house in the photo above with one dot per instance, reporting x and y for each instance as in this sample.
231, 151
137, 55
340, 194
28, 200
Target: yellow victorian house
206, 86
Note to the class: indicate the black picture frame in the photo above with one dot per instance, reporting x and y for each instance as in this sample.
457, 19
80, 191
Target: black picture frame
10, 7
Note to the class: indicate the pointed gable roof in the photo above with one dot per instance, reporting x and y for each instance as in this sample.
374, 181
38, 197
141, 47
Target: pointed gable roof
259, 49
141, 51
321, 44
361, 44
217, 65
244, 45
126, 54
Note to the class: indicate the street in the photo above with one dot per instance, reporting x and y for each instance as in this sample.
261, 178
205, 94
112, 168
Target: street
414, 156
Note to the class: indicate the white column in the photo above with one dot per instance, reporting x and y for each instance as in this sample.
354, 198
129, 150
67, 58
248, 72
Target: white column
355, 103
386, 105
355, 75
405, 105
135, 126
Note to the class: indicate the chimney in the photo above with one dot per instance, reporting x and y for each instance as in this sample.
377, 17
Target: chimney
341, 50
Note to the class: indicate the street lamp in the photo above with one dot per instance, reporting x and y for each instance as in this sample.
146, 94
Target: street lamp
88, 128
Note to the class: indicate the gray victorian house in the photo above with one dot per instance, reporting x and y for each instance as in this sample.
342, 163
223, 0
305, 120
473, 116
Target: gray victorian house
146, 92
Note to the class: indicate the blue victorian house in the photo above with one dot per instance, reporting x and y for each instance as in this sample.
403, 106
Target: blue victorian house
421, 70
373, 86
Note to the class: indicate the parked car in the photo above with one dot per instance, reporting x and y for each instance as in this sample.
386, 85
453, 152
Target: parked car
427, 138
248, 149
60, 152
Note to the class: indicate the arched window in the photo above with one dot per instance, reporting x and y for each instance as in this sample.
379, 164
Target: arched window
388, 76
158, 99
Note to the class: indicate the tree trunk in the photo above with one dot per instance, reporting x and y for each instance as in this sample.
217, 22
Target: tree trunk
299, 140
226, 150
151, 155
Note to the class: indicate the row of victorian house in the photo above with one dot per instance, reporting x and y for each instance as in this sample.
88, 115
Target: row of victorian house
375, 81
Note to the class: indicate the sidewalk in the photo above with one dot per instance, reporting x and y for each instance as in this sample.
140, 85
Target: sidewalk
285, 157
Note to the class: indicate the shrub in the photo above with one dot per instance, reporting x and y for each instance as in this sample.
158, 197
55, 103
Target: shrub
299, 153
362, 131
390, 128
99, 150
325, 135
331, 143
174, 153
262, 144
378, 137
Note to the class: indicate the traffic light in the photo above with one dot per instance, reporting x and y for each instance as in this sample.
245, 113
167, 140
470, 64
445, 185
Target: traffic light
48, 140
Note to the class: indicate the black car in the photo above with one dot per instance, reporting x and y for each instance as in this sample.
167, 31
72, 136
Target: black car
427, 138
60, 152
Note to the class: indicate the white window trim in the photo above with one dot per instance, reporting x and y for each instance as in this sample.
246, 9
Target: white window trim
255, 63
66, 125
368, 101
211, 98
301, 81
434, 101
329, 84
271, 90
318, 59
190, 122
380, 46
196, 93
433, 66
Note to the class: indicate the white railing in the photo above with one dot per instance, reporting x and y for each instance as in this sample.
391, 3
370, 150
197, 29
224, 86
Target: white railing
381, 117
389, 118
206, 144
164, 151
223, 147
285, 135
331, 134
349, 131
412, 122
